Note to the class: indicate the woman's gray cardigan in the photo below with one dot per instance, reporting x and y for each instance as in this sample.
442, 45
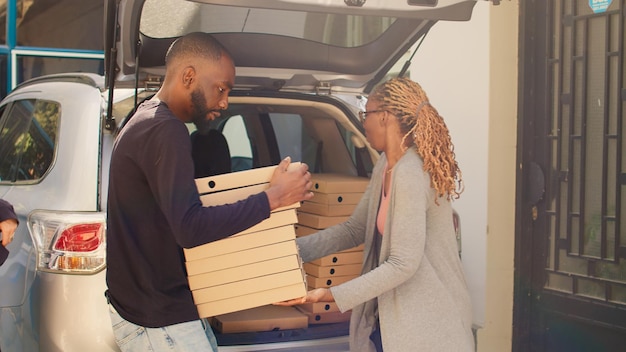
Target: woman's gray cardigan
423, 300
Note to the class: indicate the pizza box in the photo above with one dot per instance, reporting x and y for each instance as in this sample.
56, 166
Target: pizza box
327, 271
319, 307
335, 183
319, 221
244, 272
327, 209
239, 179
263, 318
302, 230
237, 194
276, 219
236, 186
326, 282
248, 286
239, 242
248, 256
336, 198
327, 318
252, 300
340, 259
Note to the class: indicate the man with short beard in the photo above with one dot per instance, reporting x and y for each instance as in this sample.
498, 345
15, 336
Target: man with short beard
154, 210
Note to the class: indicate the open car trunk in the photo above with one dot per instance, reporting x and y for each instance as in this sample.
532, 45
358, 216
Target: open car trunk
304, 68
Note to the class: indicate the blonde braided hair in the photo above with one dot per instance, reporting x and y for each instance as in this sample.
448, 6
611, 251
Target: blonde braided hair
423, 127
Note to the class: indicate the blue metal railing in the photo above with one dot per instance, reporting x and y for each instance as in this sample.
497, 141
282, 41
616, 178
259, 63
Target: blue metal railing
12, 51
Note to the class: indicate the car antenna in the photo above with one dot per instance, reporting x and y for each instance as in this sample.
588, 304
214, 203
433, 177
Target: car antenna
407, 64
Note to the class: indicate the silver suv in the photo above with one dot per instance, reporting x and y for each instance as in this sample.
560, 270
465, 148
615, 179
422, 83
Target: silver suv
303, 71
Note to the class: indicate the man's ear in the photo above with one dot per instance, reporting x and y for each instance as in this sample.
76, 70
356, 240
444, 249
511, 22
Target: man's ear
188, 76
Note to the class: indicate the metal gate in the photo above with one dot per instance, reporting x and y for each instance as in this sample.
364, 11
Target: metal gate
570, 292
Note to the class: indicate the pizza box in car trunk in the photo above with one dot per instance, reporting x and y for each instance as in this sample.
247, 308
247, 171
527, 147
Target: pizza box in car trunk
327, 317
336, 183
263, 318
336, 198
327, 209
319, 221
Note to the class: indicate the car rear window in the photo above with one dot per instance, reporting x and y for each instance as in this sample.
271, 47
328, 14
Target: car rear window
173, 18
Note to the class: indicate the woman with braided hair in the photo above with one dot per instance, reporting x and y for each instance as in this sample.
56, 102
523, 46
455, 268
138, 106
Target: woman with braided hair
411, 294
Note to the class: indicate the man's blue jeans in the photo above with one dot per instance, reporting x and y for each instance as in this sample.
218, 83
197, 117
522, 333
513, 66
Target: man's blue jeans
191, 336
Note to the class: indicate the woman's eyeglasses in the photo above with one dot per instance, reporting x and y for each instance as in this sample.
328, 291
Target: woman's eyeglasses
363, 114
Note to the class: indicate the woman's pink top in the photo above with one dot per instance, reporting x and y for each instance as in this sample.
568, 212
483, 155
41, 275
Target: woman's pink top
384, 205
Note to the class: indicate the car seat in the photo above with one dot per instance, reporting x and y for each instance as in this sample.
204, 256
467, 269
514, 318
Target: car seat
210, 153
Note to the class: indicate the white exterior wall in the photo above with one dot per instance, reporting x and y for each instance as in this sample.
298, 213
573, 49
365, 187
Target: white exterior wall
469, 71
452, 65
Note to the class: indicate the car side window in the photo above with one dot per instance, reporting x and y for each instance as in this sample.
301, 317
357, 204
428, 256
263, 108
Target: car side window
28, 130
234, 130
322, 143
290, 137
293, 140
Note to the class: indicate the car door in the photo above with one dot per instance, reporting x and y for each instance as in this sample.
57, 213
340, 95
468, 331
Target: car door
42, 169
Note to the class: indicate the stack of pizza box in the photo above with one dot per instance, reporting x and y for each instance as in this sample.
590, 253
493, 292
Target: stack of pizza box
256, 267
335, 198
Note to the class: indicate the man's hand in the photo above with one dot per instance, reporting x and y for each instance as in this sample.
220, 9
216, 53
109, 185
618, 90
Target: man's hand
289, 186
313, 296
7, 227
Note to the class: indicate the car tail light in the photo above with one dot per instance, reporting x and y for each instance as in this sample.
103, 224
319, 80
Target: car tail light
69, 242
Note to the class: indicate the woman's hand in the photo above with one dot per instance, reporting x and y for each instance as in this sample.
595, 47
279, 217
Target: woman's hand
313, 296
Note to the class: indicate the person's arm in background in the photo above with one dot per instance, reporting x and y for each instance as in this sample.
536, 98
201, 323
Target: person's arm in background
8, 224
